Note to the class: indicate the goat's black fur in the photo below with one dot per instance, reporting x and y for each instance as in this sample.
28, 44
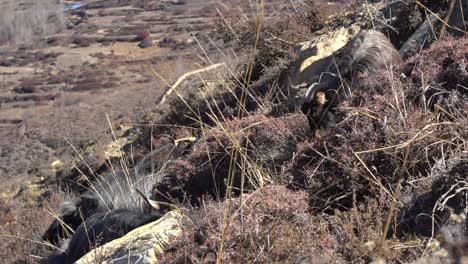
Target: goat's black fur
109, 209
99, 229
116, 191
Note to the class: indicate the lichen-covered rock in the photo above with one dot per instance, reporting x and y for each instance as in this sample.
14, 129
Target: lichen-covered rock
142, 245
315, 55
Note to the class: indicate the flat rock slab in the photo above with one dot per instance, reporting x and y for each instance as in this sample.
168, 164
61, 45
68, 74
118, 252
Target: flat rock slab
315, 55
141, 245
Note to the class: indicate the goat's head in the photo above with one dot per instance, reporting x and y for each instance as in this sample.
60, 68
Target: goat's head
317, 104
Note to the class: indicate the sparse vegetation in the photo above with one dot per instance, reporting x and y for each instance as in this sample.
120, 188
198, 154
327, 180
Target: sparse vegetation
23, 22
382, 154
384, 180
23, 219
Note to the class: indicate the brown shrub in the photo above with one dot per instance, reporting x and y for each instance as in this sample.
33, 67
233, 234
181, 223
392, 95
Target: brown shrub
23, 220
272, 225
265, 144
383, 136
442, 71
277, 36
248, 226
435, 201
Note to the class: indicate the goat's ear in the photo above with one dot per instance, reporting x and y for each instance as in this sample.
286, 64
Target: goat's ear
305, 107
152, 203
309, 98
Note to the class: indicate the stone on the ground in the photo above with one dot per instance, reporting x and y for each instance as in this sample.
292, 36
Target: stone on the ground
146, 43
142, 245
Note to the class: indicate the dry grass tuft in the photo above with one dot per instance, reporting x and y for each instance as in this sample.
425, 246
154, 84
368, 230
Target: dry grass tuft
266, 143
23, 220
25, 21
252, 221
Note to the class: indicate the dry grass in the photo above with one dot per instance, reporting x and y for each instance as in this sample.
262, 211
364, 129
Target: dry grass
25, 21
363, 176
23, 219
257, 190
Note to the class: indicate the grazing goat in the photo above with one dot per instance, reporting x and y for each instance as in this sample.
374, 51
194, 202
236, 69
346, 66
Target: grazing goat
367, 53
115, 191
111, 207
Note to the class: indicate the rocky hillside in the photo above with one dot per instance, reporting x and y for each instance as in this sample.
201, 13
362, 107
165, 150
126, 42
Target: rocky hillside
203, 99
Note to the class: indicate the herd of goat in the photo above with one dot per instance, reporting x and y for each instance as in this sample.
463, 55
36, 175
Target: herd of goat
116, 203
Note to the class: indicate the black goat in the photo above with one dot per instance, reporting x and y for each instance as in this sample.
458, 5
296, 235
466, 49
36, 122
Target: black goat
368, 52
115, 191
112, 206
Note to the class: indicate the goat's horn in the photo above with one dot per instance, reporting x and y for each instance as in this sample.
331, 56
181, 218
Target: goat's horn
152, 203
310, 92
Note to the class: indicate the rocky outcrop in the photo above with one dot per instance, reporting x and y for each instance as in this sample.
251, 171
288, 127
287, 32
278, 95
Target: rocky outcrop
314, 57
